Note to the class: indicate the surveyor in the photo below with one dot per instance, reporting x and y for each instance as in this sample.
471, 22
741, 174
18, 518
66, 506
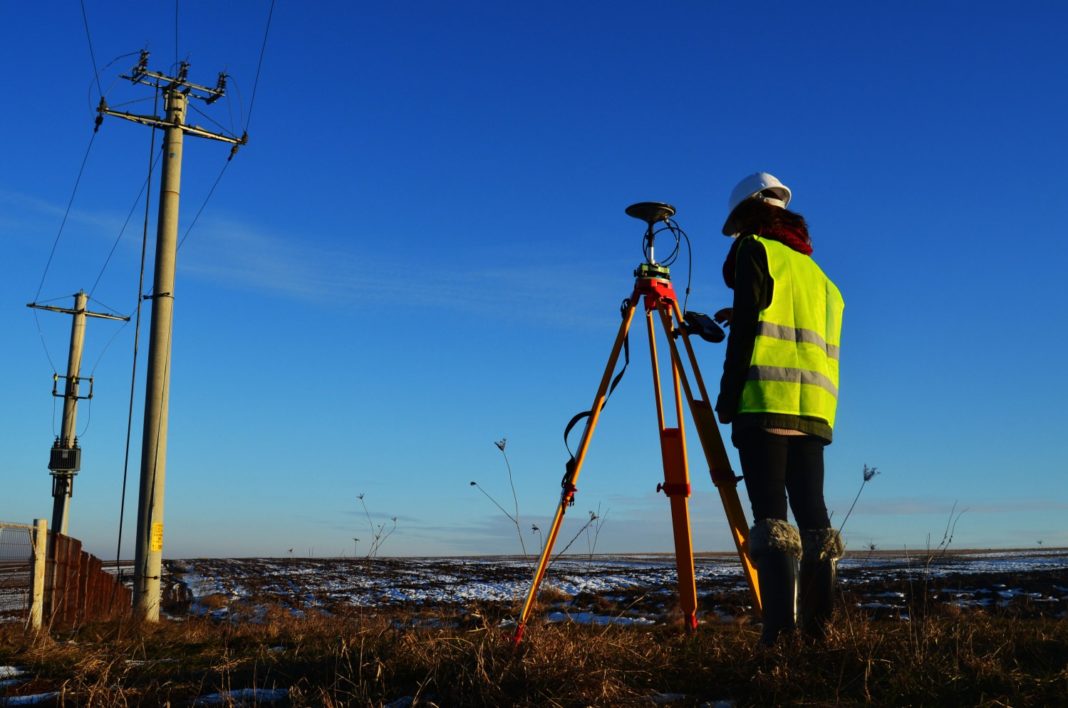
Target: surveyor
779, 392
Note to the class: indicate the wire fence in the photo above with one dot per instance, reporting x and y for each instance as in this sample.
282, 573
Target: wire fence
16, 571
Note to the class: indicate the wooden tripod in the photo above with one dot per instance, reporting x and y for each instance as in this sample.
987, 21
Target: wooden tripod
653, 285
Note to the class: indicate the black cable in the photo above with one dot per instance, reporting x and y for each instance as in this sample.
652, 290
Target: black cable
92, 55
66, 214
107, 307
92, 372
647, 242
230, 111
132, 101
44, 343
240, 103
136, 340
206, 199
689, 263
103, 351
672, 227
88, 419
218, 125
263, 50
93, 104
55, 244
255, 85
122, 231
121, 56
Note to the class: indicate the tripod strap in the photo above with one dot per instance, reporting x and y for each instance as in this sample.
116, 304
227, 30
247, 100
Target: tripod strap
615, 382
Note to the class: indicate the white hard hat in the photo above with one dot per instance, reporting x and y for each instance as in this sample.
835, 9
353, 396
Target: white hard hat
759, 185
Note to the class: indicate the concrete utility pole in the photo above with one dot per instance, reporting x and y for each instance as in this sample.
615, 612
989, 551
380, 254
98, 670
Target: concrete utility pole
66, 457
177, 91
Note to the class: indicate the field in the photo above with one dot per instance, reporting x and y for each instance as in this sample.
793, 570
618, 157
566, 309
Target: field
963, 628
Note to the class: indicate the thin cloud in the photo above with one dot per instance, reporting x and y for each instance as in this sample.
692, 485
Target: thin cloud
43, 215
236, 255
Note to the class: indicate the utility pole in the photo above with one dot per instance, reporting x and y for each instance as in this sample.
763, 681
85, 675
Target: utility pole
177, 91
66, 457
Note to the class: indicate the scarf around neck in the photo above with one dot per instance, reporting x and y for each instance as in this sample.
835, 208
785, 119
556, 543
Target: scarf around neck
785, 235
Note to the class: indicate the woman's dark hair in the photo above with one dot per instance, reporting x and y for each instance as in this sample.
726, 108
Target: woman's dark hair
756, 217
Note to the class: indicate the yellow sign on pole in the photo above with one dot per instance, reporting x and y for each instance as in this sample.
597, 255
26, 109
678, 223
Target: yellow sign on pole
156, 540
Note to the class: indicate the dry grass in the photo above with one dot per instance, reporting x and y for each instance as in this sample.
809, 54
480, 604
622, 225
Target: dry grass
945, 658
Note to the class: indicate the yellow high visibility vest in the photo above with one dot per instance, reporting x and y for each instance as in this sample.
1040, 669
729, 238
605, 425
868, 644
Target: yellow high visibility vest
794, 368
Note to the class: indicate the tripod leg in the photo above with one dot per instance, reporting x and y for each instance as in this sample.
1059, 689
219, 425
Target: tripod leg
676, 485
712, 443
567, 495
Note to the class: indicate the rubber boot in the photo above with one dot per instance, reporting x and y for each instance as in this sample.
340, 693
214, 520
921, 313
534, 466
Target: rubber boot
821, 549
774, 546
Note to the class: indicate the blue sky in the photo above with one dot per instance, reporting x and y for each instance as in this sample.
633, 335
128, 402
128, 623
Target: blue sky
422, 250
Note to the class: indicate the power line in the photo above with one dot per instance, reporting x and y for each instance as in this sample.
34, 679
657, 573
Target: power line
66, 214
218, 125
55, 244
176, 32
240, 103
263, 50
44, 344
107, 261
202, 206
255, 86
92, 55
129, 103
93, 103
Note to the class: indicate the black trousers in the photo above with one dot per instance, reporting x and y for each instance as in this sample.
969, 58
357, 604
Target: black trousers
777, 467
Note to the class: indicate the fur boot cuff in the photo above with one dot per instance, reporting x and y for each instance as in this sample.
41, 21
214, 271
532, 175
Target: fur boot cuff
773, 535
821, 545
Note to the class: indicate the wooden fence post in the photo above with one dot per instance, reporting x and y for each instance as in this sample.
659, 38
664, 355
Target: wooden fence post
40, 553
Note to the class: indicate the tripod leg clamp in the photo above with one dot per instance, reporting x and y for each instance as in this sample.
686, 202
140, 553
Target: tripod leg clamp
726, 477
567, 496
674, 490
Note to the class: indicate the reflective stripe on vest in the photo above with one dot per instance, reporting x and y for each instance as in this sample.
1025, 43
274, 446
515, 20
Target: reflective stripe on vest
794, 368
